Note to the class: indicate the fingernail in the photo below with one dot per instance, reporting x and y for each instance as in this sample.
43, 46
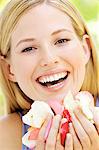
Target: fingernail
73, 116
68, 138
58, 115
58, 136
49, 115
63, 120
70, 125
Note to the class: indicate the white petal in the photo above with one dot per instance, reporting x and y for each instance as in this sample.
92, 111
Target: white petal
29, 143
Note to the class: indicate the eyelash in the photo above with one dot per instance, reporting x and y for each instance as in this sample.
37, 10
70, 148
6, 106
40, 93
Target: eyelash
29, 49
62, 41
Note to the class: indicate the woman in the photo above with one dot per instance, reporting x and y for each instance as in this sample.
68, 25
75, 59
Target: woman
46, 50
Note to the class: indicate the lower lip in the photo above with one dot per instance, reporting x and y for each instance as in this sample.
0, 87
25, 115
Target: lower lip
56, 87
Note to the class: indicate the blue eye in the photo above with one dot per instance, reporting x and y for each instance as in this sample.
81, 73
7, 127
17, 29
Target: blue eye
61, 41
28, 49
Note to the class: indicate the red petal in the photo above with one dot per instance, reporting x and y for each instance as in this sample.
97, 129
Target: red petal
63, 132
67, 115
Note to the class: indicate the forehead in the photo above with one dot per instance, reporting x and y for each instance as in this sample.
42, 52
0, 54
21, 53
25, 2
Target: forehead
42, 19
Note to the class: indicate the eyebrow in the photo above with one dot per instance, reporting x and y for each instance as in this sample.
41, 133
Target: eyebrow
25, 40
33, 39
61, 30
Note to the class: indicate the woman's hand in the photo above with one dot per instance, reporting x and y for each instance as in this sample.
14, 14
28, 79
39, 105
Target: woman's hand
50, 142
53, 139
85, 134
95, 111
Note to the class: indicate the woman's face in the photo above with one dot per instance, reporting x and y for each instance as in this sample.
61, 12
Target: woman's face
47, 57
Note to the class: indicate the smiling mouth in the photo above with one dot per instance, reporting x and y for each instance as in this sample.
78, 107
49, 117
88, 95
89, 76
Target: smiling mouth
55, 82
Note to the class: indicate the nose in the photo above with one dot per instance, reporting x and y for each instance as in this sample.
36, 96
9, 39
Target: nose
49, 63
49, 58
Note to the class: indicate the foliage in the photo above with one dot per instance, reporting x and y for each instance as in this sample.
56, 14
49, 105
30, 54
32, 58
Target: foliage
88, 8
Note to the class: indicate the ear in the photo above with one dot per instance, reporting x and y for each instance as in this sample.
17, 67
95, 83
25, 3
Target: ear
11, 75
8, 70
86, 47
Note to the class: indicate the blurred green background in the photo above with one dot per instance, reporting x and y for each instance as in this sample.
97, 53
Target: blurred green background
89, 10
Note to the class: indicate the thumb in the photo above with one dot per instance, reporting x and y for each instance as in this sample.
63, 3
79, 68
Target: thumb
95, 111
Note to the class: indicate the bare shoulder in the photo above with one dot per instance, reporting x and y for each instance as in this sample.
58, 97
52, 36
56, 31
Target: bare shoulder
10, 132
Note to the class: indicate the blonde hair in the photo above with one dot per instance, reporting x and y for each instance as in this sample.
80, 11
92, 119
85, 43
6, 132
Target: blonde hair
16, 99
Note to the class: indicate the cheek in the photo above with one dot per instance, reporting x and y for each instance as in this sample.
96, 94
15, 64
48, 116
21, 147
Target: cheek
74, 54
23, 67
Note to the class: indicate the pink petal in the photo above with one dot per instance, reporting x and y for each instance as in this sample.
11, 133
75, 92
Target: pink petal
48, 129
56, 106
34, 134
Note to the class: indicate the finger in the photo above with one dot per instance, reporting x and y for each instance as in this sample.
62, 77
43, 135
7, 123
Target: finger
95, 111
41, 136
82, 135
87, 125
76, 142
51, 140
58, 143
69, 142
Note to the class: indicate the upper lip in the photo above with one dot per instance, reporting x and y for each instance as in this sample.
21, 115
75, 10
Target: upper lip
52, 72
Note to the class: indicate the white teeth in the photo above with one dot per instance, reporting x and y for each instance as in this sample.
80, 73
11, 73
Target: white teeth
47, 79
52, 77
52, 86
56, 77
